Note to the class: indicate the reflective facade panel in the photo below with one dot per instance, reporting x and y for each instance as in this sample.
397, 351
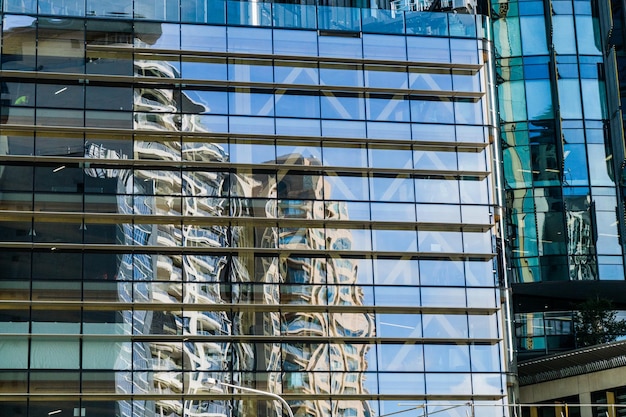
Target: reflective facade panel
306, 208
563, 153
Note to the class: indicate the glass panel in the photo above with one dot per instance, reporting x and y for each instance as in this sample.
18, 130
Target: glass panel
338, 18
422, 49
249, 39
384, 47
294, 15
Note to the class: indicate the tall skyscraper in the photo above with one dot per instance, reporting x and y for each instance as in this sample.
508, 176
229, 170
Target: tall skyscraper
563, 154
302, 199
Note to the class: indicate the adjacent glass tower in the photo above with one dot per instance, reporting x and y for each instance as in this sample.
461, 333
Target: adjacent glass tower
563, 153
293, 198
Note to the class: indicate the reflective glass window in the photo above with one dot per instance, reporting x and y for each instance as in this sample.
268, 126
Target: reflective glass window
385, 76
295, 72
341, 74
430, 79
430, 49
295, 42
444, 326
533, 30
340, 46
434, 110
384, 47
297, 104
336, 105
392, 189
204, 68
391, 108
202, 37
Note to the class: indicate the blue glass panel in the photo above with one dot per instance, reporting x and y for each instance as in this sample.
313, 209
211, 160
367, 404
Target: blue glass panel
203, 38
464, 51
256, 125
477, 242
19, 6
215, 102
390, 158
343, 107
423, 49
401, 211
249, 13
382, 21
62, 7
488, 384
295, 105
165, 10
385, 76
250, 70
384, 47
204, 69
533, 35
395, 240
338, 46
440, 273
482, 326
295, 42
468, 112
433, 213
289, 72
339, 18
594, 99
159, 35
249, 39
113, 8
344, 155
588, 35
343, 129
420, 79
347, 188
432, 132
563, 38
448, 384
397, 383
400, 358
575, 160
203, 11
438, 110
389, 130
539, 99
294, 16
446, 358
462, 25
508, 42
449, 326
298, 127
343, 75
427, 23
392, 189
395, 108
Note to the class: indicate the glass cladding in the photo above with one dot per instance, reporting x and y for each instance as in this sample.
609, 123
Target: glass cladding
262, 206
558, 144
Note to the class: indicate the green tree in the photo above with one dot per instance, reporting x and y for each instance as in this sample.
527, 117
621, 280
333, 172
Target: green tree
596, 322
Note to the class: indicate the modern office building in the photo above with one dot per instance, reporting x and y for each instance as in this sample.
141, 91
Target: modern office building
563, 154
301, 199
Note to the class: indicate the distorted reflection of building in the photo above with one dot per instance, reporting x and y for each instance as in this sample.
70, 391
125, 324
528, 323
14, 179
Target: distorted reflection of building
167, 192
299, 197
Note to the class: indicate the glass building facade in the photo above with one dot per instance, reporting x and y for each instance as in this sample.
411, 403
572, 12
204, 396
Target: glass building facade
563, 156
298, 199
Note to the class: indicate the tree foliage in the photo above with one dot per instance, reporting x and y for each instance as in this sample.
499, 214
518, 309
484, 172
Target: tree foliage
596, 322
